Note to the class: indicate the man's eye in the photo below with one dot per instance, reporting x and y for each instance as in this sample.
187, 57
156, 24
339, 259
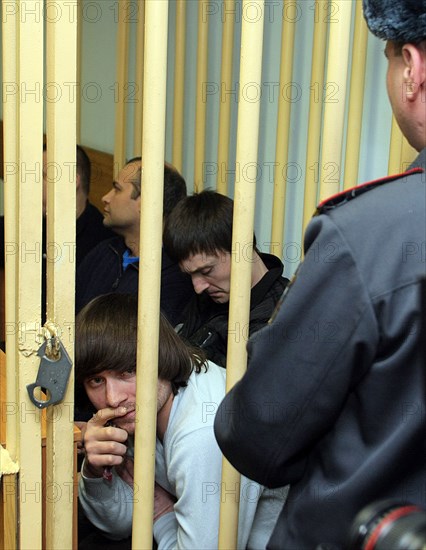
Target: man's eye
128, 373
93, 382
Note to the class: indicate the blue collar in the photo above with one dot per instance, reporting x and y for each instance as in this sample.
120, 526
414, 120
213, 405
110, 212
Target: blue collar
127, 259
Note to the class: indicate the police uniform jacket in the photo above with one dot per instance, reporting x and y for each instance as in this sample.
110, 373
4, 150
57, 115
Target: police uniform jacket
334, 398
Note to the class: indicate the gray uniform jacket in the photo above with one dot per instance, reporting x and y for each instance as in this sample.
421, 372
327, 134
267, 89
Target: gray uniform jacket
334, 399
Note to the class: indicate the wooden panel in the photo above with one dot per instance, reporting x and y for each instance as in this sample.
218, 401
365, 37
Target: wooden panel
102, 175
8, 483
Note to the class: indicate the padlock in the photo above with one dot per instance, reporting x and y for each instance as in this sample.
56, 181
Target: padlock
52, 377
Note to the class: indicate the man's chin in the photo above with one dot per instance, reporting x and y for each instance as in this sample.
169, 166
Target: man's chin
219, 298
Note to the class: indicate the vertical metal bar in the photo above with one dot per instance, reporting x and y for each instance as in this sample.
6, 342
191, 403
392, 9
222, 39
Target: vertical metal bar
225, 100
79, 12
201, 104
153, 143
356, 98
10, 176
242, 237
283, 131
335, 96
10, 173
140, 33
315, 110
408, 154
395, 148
120, 87
179, 92
61, 66
29, 217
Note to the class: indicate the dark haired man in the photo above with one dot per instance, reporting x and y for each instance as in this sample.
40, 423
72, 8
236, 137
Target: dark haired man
113, 265
188, 460
90, 229
198, 235
349, 393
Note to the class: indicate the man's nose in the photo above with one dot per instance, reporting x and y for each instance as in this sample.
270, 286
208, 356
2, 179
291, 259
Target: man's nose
199, 284
106, 198
115, 395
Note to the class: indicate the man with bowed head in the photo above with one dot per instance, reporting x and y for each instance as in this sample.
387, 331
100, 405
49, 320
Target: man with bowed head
357, 432
198, 235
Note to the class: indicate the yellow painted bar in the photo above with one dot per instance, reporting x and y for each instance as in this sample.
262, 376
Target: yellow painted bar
225, 100
356, 98
61, 65
242, 237
9, 483
140, 33
153, 142
408, 154
120, 86
10, 173
283, 129
79, 12
201, 103
179, 92
29, 217
315, 111
335, 97
395, 148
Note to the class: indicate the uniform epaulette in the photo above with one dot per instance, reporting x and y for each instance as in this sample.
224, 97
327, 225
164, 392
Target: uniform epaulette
344, 196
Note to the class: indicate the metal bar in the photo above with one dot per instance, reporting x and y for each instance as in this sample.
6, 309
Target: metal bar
201, 104
61, 65
335, 96
29, 217
242, 237
225, 101
179, 95
79, 71
140, 37
395, 148
315, 111
10, 172
283, 132
356, 98
120, 87
153, 142
408, 154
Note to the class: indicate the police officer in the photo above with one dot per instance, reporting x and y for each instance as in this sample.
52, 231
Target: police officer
339, 412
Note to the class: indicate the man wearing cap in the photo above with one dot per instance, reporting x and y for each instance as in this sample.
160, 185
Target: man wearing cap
339, 412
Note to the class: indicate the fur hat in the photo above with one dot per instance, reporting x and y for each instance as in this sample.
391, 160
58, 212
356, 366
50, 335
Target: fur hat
397, 20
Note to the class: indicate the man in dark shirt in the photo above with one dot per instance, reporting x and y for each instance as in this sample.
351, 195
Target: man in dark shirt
90, 229
198, 235
113, 265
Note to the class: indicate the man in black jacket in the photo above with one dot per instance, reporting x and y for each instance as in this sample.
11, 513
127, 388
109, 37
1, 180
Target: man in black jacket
113, 265
334, 400
198, 235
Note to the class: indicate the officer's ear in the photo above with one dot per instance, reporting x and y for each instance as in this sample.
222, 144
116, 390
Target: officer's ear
414, 57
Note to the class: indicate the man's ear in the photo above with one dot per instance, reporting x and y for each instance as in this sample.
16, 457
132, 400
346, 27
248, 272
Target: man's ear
414, 70
77, 181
